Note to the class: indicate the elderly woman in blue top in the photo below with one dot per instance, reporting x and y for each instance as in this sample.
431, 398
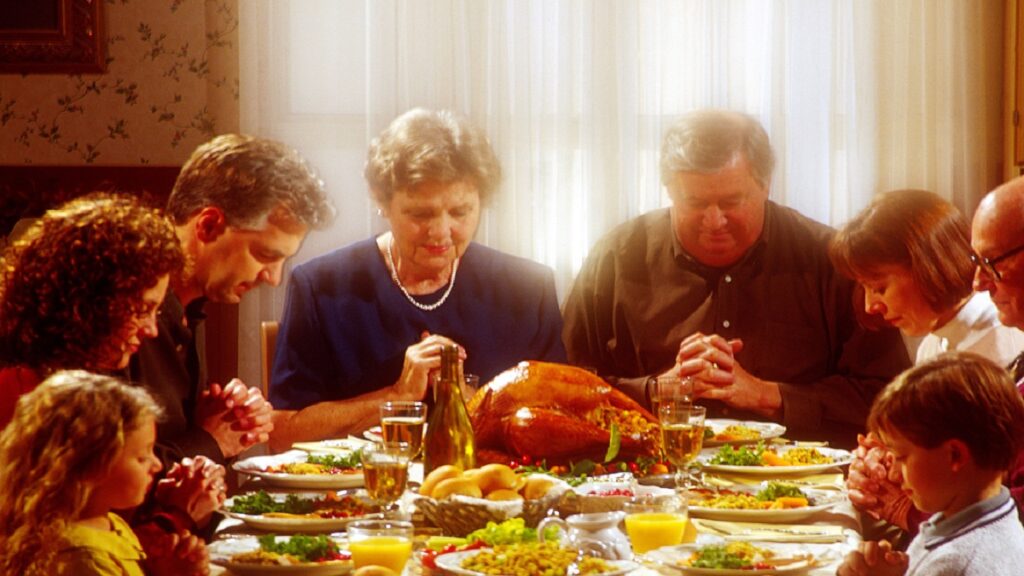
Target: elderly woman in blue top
365, 324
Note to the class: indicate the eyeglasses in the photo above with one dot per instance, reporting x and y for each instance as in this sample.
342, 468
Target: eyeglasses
988, 265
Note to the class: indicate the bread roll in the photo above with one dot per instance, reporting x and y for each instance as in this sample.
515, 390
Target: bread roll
461, 485
437, 475
504, 494
537, 487
494, 477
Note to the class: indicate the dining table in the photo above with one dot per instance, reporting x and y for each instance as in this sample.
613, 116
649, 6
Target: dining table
828, 534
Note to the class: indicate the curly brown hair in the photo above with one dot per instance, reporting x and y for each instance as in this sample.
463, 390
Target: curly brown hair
69, 429
76, 278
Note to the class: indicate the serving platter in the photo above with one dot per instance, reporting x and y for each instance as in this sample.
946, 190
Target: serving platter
221, 552
307, 525
839, 458
451, 563
766, 431
258, 466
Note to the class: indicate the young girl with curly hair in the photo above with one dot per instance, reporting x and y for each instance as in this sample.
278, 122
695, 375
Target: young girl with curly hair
80, 446
81, 289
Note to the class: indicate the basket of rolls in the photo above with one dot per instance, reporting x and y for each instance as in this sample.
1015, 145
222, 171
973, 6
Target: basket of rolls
459, 502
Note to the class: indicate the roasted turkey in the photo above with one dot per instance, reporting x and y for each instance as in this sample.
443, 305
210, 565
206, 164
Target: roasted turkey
559, 413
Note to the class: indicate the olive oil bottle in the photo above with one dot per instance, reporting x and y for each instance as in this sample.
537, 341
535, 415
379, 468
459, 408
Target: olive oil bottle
449, 438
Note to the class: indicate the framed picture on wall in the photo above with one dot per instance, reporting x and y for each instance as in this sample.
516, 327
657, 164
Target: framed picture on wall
52, 36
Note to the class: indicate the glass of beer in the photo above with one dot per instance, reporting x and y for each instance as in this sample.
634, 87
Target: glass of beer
671, 388
385, 472
380, 543
404, 422
682, 435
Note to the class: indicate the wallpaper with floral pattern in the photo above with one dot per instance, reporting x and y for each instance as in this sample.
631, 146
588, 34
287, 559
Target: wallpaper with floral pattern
171, 83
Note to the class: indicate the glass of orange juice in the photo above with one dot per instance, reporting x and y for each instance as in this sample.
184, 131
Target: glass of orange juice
385, 543
655, 521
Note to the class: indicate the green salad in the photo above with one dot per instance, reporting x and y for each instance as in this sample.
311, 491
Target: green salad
263, 503
775, 490
302, 548
511, 531
739, 456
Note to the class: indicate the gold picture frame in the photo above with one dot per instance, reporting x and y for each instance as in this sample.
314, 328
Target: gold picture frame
52, 37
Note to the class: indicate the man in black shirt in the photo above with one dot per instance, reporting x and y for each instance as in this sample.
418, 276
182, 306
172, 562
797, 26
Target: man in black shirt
241, 206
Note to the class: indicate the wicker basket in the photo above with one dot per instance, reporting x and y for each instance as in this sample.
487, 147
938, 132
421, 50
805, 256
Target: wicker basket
460, 515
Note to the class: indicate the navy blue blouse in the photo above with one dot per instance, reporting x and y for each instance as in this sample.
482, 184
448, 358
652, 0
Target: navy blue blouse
346, 325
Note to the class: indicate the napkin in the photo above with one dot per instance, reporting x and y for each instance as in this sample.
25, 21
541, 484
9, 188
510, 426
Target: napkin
827, 481
771, 532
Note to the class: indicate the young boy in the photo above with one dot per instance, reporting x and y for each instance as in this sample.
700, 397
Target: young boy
954, 425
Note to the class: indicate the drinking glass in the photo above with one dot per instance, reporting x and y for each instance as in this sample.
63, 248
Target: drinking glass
381, 543
682, 435
386, 472
404, 422
470, 386
655, 521
670, 388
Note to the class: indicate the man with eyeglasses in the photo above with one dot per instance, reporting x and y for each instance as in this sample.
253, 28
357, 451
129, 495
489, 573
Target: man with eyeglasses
997, 238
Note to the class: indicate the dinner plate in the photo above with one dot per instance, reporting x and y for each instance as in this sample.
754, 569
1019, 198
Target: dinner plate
300, 525
221, 552
452, 564
672, 557
767, 431
374, 434
839, 458
257, 466
822, 499
337, 446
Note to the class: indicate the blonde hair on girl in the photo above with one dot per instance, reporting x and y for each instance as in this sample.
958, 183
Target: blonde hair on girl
69, 429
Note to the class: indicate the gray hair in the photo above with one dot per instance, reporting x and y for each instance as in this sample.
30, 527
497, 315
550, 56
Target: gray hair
706, 141
247, 178
430, 146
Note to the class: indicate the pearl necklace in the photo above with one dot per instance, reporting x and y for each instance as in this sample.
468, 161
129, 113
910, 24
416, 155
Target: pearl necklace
413, 301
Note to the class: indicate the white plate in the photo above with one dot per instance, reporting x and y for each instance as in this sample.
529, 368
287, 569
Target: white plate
222, 550
257, 466
839, 457
822, 499
767, 430
670, 557
374, 434
339, 446
451, 563
299, 525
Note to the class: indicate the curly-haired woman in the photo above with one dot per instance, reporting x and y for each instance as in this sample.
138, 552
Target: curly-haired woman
81, 289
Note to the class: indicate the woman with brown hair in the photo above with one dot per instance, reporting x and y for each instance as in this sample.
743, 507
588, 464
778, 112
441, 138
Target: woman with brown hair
910, 251
81, 289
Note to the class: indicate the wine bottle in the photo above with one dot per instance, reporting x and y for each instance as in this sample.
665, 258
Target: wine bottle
449, 437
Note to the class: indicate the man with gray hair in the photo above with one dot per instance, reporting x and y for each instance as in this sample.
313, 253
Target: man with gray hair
241, 206
732, 291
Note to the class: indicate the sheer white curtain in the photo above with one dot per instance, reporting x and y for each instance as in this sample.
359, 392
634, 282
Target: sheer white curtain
857, 96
